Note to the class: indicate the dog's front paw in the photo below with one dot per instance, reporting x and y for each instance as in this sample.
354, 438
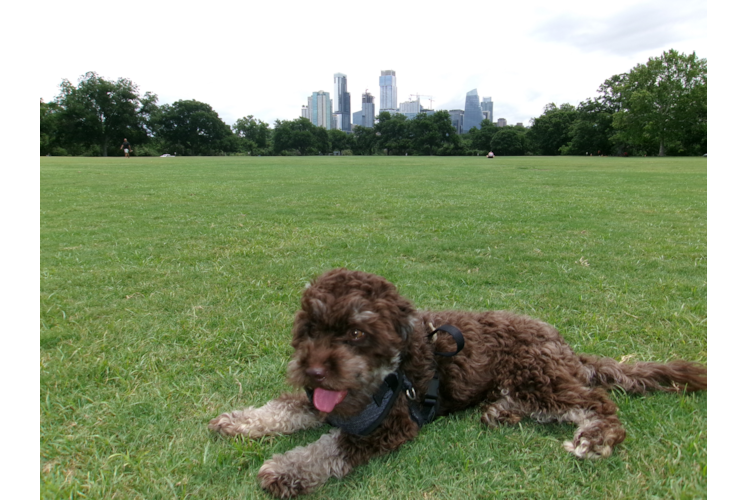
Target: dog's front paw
234, 423
281, 482
287, 414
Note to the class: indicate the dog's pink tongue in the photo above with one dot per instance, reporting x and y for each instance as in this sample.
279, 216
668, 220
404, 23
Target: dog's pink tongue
325, 400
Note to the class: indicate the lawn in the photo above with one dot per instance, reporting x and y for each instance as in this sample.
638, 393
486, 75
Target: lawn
168, 288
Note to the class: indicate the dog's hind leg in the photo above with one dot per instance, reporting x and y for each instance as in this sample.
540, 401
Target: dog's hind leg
599, 429
287, 414
503, 411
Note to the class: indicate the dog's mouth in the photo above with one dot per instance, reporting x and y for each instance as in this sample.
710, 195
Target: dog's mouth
326, 401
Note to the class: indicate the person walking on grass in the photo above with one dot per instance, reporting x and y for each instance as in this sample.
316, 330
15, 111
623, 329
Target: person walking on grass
127, 147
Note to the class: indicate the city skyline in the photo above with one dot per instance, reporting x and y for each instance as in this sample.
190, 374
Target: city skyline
476, 109
541, 52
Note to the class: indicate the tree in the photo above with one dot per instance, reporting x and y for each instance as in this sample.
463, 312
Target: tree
509, 141
49, 117
300, 135
253, 134
553, 129
364, 140
480, 138
392, 133
339, 140
663, 100
592, 130
100, 112
433, 133
322, 140
193, 128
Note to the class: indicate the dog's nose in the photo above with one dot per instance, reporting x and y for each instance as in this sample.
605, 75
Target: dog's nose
317, 372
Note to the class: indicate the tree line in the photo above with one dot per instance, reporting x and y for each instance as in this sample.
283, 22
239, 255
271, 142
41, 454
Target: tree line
657, 108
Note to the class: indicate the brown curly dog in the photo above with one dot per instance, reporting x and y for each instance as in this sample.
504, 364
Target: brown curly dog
367, 362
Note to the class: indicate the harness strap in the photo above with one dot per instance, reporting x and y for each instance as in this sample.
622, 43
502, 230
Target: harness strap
425, 412
455, 333
368, 420
421, 413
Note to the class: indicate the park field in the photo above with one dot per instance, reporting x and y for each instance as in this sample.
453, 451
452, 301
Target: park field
168, 288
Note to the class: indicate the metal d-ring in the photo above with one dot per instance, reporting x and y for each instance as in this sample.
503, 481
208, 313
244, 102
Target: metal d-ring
410, 393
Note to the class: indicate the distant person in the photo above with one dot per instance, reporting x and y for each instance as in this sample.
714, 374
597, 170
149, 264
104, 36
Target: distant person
490, 154
127, 147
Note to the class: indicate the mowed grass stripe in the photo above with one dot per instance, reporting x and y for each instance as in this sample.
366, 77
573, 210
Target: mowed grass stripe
168, 289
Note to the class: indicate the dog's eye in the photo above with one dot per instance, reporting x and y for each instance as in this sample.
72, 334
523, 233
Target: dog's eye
356, 335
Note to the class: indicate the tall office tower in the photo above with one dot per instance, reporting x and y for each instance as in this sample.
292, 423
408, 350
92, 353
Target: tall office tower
473, 113
342, 102
501, 122
457, 116
487, 105
387, 91
305, 111
367, 109
357, 119
320, 109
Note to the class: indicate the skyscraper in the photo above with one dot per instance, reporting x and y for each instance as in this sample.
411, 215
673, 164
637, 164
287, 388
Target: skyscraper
387, 91
357, 118
473, 111
487, 105
367, 110
342, 102
320, 109
457, 116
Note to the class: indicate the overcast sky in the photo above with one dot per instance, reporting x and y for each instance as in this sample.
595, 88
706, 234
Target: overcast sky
266, 58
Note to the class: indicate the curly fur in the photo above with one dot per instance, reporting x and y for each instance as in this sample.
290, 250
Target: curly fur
354, 328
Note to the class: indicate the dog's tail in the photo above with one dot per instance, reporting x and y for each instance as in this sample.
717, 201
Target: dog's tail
645, 376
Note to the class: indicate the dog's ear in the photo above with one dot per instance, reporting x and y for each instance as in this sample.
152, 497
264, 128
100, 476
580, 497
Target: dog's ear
313, 302
407, 319
301, 326
317, 308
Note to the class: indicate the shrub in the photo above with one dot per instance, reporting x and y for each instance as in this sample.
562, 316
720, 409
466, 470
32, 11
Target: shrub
58, 151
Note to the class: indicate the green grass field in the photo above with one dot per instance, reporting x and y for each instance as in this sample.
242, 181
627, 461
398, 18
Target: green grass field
168, 289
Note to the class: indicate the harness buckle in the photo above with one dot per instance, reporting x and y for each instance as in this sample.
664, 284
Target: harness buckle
410, 393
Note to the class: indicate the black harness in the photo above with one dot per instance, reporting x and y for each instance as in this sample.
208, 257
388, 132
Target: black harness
421, 413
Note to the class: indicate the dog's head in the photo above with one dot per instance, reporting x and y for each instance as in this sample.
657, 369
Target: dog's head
351, 331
